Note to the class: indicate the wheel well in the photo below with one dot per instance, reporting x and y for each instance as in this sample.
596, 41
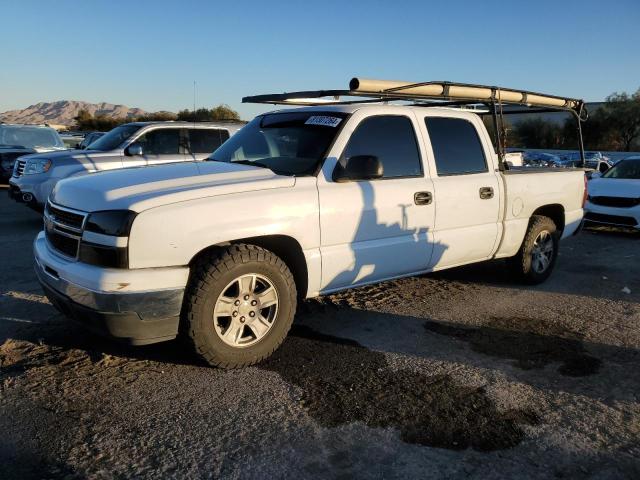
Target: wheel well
555, 212
287, 248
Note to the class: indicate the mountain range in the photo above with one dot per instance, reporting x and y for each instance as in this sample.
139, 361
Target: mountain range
62, 112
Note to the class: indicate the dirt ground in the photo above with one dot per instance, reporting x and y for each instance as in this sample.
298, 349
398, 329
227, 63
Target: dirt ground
460, 374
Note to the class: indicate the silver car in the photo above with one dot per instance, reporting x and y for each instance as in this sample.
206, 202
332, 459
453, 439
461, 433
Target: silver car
136, 144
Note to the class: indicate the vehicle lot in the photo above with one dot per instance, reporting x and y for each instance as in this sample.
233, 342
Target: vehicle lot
463, 373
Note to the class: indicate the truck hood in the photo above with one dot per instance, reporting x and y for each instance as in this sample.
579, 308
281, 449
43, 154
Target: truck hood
614, 187
142, 188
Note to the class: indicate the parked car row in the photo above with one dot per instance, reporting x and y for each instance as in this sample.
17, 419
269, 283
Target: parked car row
88, 139
72, 139
130, 145
593, 161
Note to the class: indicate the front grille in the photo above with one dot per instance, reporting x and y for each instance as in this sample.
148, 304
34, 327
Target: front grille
620, 202
611, 219
10, 157
62, 243
18, 168
65, 217
63, 229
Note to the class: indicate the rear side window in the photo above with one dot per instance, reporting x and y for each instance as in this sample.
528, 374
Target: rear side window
392, 139
164, 141
456, 146
206, 140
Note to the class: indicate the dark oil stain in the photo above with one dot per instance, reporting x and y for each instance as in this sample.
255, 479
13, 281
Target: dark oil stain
530, 350
343, 382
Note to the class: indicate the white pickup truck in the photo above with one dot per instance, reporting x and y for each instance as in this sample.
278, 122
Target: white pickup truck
299, 203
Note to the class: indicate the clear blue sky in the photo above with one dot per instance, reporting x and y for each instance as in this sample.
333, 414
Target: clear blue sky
148, 53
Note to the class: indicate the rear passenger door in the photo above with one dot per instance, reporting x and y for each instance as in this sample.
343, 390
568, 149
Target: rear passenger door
466, 191
161, 145
202, 142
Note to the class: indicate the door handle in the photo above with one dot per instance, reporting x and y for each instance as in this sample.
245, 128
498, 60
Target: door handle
486, 193
422, 198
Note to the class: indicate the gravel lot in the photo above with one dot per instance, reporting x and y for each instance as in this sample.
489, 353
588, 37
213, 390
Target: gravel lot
460, 374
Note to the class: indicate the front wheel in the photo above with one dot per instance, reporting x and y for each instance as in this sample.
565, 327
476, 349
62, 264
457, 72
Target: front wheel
537, 256
239, 306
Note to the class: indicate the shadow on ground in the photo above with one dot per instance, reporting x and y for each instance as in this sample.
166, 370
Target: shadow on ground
343, 382
527, 350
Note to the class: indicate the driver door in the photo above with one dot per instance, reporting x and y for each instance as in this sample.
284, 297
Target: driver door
376, 229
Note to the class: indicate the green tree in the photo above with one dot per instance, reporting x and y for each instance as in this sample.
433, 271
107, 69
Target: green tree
224, 112
156, 117
219, 113
538, 133
83, 118
621, 115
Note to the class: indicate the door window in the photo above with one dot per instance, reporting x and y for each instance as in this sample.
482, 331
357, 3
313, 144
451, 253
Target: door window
456, 146
392, 139
206, 140
164, 141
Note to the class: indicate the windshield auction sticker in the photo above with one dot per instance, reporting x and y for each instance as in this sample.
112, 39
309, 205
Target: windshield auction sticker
323, 121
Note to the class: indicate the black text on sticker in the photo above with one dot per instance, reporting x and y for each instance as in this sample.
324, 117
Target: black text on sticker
323, 120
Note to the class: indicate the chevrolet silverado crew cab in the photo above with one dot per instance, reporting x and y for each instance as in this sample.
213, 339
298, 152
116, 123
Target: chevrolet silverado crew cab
299, 203
136, 144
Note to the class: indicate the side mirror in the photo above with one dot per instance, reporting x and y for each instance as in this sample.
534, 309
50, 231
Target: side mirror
359, 167
78, 147
133, 150
603, 167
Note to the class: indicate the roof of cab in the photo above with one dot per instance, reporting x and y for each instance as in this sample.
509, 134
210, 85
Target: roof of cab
351, 108
176, 123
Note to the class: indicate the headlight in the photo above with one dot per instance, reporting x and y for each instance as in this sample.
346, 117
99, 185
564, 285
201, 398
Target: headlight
111, 222
36, 165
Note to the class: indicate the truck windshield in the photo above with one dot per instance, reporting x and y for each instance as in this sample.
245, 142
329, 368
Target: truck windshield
289, 143
30, 137
115, 138
627, 169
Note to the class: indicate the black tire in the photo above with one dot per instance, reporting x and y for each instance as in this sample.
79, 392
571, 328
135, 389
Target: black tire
522, 263
209, 276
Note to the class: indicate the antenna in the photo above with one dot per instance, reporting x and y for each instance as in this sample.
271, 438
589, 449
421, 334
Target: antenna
194, 101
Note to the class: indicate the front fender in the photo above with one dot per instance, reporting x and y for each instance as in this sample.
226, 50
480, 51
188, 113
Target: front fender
171, 235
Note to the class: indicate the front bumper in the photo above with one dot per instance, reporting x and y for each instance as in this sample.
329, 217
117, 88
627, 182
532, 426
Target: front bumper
613, 216
35, 186
138, 318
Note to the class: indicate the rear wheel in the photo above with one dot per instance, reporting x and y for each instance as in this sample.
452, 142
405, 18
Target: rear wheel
537, 256
239, 306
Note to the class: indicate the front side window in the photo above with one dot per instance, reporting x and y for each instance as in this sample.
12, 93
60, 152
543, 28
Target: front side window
206, 140
164, 141
392, 140
456, 146
288, 143
114, 138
